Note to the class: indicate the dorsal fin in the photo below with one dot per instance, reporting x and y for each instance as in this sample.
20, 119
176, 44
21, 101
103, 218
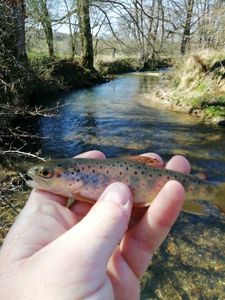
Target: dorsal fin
149, 161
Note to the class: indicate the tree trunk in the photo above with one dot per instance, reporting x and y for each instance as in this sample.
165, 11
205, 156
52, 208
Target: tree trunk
187, 27
87, 57
18, 9
47, 25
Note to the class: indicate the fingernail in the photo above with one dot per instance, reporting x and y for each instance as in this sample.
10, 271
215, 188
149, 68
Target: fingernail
118, 193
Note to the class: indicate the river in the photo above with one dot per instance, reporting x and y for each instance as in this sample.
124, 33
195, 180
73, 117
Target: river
191, 262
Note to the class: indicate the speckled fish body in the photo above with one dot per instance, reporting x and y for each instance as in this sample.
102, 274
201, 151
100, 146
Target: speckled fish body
86, 179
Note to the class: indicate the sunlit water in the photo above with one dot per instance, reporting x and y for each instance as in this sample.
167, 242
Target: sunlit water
191, 262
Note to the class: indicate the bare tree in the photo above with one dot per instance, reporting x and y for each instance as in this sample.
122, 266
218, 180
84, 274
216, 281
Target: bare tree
38, 10
187, 26
18, 11
87, 56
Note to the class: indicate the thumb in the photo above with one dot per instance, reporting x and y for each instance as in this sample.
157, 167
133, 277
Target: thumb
97, 235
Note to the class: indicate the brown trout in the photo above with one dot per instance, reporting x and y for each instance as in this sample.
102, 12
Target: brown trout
85, 179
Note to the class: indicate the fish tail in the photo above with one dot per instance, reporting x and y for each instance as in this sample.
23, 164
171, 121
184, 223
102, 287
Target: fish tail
220, 197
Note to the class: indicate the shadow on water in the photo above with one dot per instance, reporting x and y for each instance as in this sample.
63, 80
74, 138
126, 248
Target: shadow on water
191, 262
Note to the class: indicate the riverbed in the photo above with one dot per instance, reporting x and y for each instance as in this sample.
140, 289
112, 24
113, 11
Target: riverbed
191, 262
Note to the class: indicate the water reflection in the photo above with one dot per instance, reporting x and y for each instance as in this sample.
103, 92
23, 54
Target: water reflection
189, 265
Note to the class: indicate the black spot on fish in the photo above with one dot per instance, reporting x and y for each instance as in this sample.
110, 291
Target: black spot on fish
121, 173
142, 172
72, 172
107, 171
184, 180
150, 175
127, 168
59, 165
175, 176
168, 177
135, 172
78, 180
93, 171
82, 168
160, 175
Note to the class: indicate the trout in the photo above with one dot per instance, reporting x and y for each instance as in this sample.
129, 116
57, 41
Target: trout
85, 179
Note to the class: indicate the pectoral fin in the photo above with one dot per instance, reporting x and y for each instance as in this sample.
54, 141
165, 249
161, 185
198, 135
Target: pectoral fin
194, 208
77, 196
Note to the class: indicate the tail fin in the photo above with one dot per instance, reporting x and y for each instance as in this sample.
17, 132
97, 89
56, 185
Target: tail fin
220, 198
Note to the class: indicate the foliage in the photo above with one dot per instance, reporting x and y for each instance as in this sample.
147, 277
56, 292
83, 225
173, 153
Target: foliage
56, 74
117, 66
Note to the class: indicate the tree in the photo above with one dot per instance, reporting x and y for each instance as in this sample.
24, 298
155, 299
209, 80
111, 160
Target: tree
187, 27
38, 11
18, 13
15, 74
87, 56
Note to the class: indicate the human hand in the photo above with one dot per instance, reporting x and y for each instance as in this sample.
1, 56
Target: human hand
85, 252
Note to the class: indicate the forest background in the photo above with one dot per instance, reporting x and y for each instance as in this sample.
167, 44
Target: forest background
42, 42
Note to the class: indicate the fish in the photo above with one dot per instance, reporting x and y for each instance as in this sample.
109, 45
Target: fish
85, 179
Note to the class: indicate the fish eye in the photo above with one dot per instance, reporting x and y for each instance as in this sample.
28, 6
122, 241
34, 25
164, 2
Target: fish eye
46, 173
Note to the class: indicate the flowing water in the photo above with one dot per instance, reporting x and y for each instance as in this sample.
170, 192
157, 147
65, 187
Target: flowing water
191, 262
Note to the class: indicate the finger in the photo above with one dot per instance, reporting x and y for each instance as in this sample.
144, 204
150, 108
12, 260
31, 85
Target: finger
144, 239
176, 163
179, 163
40, 195
80, 209
92, 154
102, 228
122, 276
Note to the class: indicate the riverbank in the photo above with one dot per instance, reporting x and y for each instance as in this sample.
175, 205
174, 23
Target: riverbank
195, 85
42, 76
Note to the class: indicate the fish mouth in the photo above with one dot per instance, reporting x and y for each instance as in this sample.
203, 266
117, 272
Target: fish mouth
29, 179
31, 183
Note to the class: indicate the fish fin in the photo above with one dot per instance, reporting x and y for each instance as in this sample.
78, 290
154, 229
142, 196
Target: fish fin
194, 208
77, 196
220, 198
153, 162
201, 175
142, 204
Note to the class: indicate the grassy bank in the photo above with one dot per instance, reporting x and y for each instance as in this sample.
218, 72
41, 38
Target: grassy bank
196, 84
43, 76
60, 74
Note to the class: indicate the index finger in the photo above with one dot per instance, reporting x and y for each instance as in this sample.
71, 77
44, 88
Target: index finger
141, 241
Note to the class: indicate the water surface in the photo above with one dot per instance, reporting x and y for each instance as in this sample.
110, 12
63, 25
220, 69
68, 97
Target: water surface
191, 262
